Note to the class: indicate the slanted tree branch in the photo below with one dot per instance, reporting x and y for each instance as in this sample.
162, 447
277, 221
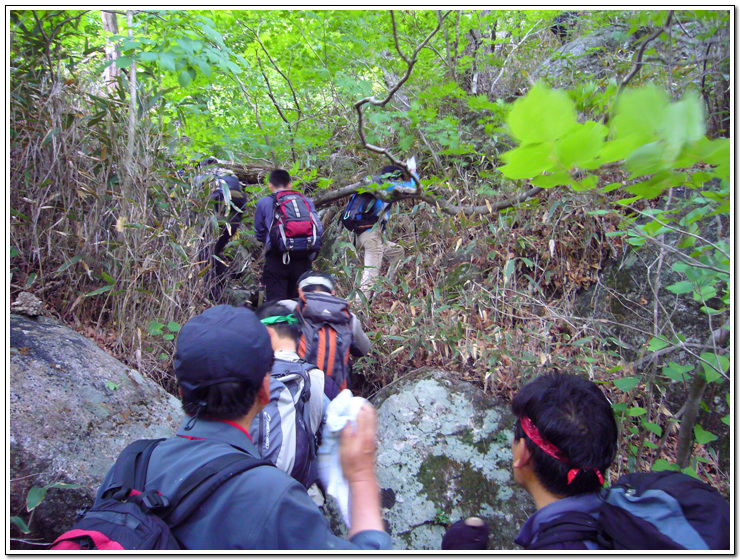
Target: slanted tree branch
325, 198
410, 63
637, 60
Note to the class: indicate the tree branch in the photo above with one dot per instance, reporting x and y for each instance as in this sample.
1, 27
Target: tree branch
383, 102
277, 69
325, 198
637, 60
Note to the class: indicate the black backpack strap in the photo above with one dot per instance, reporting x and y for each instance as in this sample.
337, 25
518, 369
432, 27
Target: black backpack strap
204, 481
573, 527
129, 471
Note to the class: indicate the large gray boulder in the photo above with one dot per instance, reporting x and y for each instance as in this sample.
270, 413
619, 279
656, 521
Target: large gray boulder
72, 409
444, 453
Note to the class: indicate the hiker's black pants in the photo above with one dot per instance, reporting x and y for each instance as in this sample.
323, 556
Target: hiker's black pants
281, 280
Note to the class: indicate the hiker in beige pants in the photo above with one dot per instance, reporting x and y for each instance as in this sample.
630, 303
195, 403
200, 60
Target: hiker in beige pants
376, 247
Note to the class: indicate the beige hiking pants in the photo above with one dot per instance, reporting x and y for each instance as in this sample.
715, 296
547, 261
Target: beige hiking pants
376, 247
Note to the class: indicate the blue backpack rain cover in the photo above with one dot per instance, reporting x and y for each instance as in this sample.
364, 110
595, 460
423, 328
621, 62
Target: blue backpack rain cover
664, 510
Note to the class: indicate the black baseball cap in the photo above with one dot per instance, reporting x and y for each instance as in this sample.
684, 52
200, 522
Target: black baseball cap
223, 343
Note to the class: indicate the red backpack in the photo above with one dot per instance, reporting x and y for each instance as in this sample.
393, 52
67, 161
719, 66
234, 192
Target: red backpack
295, 228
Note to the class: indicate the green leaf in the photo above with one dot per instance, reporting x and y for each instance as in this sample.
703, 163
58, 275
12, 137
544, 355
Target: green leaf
543, 115
35, 496
184, 78
99, 291
69, 263
110, 385
663, 465
639, 113
147, 56
527, 161
655, 428
552, 180
167, 61
684, 123
627, 383
65, 486
713, 364
702, 436
657, 343
155, 328
582, 143
691, 472
619, 407
173, 326
509, 268
683, 287
635, 411
124, 61
727, 419
18, 522
677, 372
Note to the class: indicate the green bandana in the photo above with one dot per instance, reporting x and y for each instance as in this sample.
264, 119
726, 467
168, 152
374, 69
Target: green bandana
290, 319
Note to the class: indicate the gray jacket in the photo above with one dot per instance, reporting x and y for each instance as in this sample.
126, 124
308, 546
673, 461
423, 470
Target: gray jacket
260, 509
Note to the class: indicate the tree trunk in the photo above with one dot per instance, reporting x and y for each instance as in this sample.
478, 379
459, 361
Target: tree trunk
691, 411
110, 25
128, 178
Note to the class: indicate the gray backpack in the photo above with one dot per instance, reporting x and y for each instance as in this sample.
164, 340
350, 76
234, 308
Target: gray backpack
282, 431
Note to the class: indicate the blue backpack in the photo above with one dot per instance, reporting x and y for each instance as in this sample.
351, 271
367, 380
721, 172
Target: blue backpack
664, 510
362, 212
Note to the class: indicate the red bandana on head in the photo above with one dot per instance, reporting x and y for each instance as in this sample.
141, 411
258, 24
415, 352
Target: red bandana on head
534, 434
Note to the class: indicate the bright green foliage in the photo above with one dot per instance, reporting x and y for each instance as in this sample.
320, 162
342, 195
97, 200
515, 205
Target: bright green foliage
662, 145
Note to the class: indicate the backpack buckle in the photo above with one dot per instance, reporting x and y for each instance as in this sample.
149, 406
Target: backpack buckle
151, 500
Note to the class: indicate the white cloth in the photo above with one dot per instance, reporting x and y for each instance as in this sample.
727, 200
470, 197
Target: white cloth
344, 408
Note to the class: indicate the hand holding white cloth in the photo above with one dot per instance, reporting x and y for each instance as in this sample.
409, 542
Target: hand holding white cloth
344, 408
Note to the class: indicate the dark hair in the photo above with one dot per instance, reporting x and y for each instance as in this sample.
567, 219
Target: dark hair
392, 173
229, 400
279, 178
574, 415
275, 309
316, 287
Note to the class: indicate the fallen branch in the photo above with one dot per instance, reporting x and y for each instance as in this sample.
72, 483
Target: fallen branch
325, 198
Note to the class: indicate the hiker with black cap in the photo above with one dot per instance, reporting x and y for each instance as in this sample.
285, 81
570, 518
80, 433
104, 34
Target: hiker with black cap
222, 363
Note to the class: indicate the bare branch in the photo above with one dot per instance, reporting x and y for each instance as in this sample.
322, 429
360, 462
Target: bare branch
277, 69
637, 60
410, 62
324, 198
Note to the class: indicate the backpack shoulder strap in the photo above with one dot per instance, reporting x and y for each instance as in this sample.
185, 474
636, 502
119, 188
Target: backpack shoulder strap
574, 527
129, 471
205, 481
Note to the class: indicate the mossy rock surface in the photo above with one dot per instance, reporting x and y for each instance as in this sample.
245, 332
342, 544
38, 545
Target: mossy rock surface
444, 453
